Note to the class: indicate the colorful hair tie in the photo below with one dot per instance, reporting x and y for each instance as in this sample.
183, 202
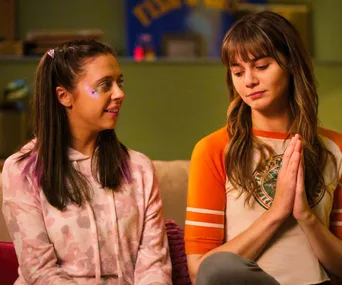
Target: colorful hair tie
51, 53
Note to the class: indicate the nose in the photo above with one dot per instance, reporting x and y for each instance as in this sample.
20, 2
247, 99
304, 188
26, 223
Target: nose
251, 78
118, 93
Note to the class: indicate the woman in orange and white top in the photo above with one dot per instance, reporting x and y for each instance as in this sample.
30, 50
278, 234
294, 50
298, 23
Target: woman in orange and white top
265, 199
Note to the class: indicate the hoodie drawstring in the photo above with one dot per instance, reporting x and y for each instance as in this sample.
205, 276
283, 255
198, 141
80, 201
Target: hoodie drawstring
116, 239
96, 245
94, 236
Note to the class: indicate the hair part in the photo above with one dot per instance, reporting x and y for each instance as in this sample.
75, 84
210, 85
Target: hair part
60, 181
267, 34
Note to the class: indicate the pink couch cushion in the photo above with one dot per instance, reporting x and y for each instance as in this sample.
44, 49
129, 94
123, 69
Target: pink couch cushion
175, 235
8, 264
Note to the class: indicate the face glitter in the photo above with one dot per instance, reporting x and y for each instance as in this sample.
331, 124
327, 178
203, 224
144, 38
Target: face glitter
93, 92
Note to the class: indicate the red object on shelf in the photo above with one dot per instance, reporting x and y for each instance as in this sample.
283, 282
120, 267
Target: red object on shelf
138, 53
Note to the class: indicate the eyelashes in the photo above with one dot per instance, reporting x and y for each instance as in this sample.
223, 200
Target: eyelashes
107, 85
120, 82
260, 67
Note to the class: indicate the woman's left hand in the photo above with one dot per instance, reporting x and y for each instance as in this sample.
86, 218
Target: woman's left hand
301, 209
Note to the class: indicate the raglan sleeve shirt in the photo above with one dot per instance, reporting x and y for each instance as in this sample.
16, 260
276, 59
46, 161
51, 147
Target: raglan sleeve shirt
205, 213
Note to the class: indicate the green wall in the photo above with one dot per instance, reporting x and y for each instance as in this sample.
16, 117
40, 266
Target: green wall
169, 105
327, 21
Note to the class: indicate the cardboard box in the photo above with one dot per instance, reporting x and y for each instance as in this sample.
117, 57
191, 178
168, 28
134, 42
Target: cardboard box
7, 20
11, 48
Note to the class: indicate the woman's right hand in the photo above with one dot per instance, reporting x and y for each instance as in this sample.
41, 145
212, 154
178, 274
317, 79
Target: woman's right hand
287, 179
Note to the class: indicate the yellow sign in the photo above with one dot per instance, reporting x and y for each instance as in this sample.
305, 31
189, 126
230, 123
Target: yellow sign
150, 10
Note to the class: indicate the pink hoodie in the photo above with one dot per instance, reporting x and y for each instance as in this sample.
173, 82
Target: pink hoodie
117, 238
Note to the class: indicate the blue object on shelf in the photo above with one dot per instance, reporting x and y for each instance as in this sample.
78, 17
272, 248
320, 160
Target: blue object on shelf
16, 90
210, 20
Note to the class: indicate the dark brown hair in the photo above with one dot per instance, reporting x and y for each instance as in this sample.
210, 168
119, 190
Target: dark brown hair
267, 34
48, 160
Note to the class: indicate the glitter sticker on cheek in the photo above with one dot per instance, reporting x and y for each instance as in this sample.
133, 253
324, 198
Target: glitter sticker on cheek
93, 92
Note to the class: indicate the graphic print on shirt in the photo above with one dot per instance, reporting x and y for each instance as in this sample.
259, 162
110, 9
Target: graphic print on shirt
267, 183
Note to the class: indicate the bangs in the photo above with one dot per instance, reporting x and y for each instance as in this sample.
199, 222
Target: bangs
246, 44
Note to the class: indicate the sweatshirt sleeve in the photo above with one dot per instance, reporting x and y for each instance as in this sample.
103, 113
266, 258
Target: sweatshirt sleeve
24, 219
153, 265
205, 213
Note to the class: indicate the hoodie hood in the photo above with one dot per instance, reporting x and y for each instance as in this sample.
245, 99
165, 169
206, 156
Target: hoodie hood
75, 155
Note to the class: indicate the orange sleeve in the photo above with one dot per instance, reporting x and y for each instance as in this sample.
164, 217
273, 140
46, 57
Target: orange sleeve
336, 212
205, 214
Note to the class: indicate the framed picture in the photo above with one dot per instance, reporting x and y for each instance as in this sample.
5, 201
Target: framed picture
183, 45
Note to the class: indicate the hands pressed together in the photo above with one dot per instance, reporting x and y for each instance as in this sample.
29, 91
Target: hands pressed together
290, 197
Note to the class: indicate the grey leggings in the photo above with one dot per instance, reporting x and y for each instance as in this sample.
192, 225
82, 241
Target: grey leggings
225, 268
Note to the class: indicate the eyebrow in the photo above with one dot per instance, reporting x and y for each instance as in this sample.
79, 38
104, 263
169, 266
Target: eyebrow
252, 60
107, 77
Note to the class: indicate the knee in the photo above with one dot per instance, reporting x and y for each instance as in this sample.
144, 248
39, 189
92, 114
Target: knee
220, 267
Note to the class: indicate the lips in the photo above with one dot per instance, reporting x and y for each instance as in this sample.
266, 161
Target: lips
114, 109
255, 93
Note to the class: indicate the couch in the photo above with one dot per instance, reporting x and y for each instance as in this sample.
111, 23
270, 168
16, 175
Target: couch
173, 180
